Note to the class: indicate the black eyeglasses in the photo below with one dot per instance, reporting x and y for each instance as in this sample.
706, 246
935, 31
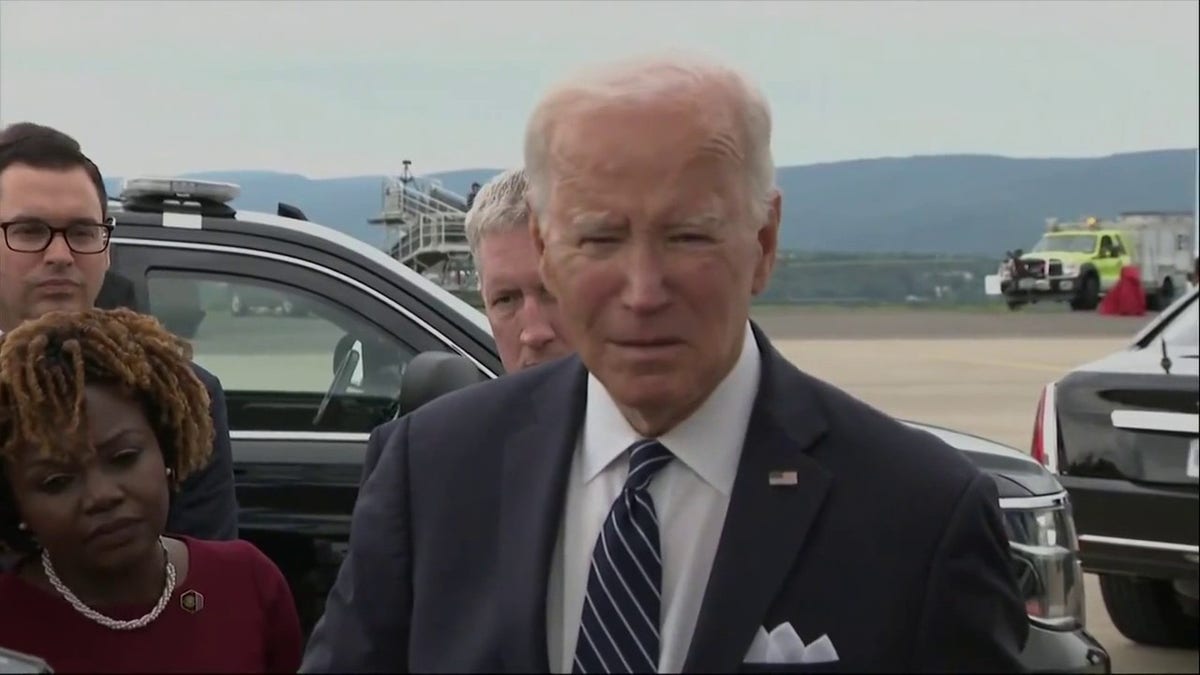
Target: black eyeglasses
34, 236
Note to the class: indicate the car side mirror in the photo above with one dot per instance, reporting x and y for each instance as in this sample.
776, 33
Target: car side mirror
433, 374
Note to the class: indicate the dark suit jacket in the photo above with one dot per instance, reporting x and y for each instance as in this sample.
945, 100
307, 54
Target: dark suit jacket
205, 507
892, 543
116, 291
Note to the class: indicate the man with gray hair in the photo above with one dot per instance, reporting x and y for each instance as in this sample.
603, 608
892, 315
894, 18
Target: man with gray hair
522, 313
677, 496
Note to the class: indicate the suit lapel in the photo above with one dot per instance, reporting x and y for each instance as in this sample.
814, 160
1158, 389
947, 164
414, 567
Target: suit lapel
533, 488
766, 525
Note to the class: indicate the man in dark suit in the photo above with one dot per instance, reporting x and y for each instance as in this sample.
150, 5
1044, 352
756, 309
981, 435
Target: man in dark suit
117, 291
54, 255
676, 497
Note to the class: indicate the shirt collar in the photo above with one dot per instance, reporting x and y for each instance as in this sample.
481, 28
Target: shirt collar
709, 442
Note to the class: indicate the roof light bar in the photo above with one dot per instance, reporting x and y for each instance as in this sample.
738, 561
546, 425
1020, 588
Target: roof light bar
181, 189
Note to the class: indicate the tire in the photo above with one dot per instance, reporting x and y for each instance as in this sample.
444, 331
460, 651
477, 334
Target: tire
1164, 296
1014, 305
1147, 611
1088, 297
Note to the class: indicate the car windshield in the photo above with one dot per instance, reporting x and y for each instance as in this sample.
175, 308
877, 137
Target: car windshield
1184, 330
1067, 243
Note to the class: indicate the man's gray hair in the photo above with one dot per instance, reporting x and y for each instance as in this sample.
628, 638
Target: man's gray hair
499, 207
672, 77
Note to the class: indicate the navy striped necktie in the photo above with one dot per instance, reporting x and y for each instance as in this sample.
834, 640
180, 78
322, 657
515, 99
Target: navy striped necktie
618, 631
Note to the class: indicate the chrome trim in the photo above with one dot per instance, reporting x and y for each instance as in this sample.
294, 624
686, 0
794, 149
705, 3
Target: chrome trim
364, 249
1050, 501
1050, 428
1061, 623
1140, 543
237, 250
307, 436
1154, 420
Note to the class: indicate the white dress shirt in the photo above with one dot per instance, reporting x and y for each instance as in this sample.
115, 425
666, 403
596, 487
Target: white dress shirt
691, 496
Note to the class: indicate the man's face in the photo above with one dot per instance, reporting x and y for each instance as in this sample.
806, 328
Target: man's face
651, 253
32, 284
524, 317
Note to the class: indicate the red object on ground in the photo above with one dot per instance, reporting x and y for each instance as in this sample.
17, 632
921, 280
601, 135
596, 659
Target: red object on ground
1127, 298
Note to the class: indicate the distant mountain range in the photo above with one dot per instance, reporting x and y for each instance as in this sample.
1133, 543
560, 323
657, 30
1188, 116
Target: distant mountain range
962, 204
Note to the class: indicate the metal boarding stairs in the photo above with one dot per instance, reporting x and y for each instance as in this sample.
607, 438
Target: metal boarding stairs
425, 229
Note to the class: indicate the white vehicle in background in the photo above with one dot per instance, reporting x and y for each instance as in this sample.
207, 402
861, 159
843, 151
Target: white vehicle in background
1079, 262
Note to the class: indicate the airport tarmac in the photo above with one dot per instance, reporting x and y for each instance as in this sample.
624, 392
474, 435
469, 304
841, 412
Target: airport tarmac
975, 372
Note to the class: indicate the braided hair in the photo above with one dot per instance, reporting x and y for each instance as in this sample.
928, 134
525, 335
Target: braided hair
46, 363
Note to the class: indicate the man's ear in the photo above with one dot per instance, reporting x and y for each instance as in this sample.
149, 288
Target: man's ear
535, 230
539, 245
768, 244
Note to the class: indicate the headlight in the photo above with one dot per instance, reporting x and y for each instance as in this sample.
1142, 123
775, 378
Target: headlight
1070, 270
1045, 557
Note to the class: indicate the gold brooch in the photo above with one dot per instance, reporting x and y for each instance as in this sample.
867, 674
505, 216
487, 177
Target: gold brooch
191, 601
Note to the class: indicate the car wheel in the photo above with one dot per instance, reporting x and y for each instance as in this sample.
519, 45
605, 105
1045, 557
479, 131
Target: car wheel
1014, 305
1147, 611
1165, 294
1088, 296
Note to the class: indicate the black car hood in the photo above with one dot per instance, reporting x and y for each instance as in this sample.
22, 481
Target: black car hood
1015, 472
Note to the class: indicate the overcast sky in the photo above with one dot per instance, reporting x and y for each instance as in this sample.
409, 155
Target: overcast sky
330, 89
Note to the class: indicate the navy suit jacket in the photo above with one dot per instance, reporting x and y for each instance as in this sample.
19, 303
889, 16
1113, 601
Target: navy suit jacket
205, 507
892, 542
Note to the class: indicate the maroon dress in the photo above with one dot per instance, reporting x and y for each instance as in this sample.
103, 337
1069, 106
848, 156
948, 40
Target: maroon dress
233, 613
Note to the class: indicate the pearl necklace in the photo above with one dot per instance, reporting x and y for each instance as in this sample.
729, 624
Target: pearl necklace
107, 622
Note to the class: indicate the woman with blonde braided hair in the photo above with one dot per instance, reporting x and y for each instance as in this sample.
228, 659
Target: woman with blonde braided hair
101, 418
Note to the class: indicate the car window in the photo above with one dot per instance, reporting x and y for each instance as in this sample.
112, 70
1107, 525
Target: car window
1066, 243
278, 350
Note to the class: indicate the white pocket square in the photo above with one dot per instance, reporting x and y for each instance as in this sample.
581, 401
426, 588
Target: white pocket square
783, 645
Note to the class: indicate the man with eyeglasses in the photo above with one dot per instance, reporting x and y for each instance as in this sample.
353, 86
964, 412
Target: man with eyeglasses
55, 228
54, 254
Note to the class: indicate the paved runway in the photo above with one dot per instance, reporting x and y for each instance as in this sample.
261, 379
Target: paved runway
878, 324
980, 373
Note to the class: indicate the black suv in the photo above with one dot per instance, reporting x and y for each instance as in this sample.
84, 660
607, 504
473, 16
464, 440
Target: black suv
304, 392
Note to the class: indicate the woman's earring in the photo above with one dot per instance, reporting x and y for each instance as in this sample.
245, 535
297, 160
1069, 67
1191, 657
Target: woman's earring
168, 471
22, 526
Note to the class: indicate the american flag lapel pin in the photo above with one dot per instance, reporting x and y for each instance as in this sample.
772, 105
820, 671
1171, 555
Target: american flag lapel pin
785, 478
